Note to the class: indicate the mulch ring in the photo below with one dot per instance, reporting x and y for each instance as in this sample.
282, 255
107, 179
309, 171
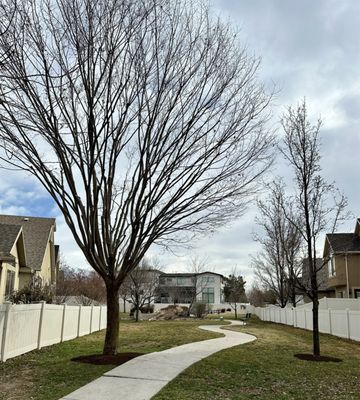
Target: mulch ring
101, 359
311, 357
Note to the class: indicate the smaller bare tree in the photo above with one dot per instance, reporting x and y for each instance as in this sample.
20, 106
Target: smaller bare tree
142, 286
319, 205
278, 265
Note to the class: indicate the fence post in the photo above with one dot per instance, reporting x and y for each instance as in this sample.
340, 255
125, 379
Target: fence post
91, 316
330, 327
63, 323
42, 310
79, 320
8, 305
347, 323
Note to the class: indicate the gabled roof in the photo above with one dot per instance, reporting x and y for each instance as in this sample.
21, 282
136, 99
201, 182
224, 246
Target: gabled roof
8, 236
344, 242
36, 232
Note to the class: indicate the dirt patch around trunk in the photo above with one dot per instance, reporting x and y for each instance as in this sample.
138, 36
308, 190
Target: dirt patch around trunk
101, 359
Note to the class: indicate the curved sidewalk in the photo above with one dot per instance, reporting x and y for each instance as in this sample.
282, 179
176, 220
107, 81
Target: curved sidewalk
144, 376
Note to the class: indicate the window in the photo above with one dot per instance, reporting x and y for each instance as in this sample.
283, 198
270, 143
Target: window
10, 281
208, 295
162, 281
181, 281
331, 266
357, 293
211, 279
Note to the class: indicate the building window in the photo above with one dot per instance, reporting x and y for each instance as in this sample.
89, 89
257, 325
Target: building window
211, 279
10, 281
331, 266
208, 295
162, 281
357, 293
181, 281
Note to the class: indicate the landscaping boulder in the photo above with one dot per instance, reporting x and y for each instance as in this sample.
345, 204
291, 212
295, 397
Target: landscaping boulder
170, 312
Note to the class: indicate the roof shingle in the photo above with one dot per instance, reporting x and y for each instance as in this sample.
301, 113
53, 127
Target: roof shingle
36, 235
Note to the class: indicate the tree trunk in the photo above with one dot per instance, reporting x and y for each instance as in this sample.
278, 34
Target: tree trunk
124, 305
235, 312
137, 314
113, 320
316, 336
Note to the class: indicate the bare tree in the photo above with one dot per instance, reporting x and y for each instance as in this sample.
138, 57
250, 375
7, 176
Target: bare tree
144, 121
197, 267
87, 285
278, 265
142, 286
318, 203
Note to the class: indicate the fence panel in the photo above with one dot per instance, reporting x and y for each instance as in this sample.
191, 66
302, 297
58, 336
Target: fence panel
300, 318
339, 324
31, 326
84, 320
309, 319
23, 328
354, 325
289, 316
51, 324
95, 320
324, 321
71, 322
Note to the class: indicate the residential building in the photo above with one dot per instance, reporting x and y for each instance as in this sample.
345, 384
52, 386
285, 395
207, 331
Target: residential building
342, 255
185, 287
27, 249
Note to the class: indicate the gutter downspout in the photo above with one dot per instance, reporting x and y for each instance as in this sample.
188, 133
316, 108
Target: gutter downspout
347, 276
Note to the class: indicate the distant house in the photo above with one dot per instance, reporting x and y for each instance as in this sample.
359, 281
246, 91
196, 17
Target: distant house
183, 287
342, 253
324, 290
27, 249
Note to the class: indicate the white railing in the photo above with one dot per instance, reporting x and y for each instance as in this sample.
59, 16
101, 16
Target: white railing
27, 327
344, 323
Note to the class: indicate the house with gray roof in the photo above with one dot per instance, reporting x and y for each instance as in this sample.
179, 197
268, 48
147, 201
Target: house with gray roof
342, 255
27, 249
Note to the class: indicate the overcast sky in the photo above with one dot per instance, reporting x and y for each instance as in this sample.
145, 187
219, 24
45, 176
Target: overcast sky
308, 49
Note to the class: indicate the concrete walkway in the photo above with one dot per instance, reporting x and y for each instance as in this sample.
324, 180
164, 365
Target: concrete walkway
144, 376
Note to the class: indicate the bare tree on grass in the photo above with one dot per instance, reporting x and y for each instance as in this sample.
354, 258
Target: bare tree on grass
144, 121
278, 265
318, 203
141, 286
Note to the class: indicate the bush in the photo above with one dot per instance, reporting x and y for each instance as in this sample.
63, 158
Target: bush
199, 309
228, 309
148, 309
223, 310
34, 292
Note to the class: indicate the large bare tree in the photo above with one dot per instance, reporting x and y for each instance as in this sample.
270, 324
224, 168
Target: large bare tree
278, 265
144, 121
319, 204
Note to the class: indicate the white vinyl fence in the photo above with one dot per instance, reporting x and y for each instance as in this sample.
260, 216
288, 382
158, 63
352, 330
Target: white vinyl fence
27, 327
344, 323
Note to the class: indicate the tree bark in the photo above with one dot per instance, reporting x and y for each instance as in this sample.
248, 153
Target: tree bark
316, 336
113, 320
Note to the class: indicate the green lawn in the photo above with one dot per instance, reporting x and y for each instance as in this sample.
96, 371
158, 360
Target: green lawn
267, 369
48, 374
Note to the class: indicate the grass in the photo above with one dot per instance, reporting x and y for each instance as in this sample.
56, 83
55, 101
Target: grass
48, 374
266, 369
